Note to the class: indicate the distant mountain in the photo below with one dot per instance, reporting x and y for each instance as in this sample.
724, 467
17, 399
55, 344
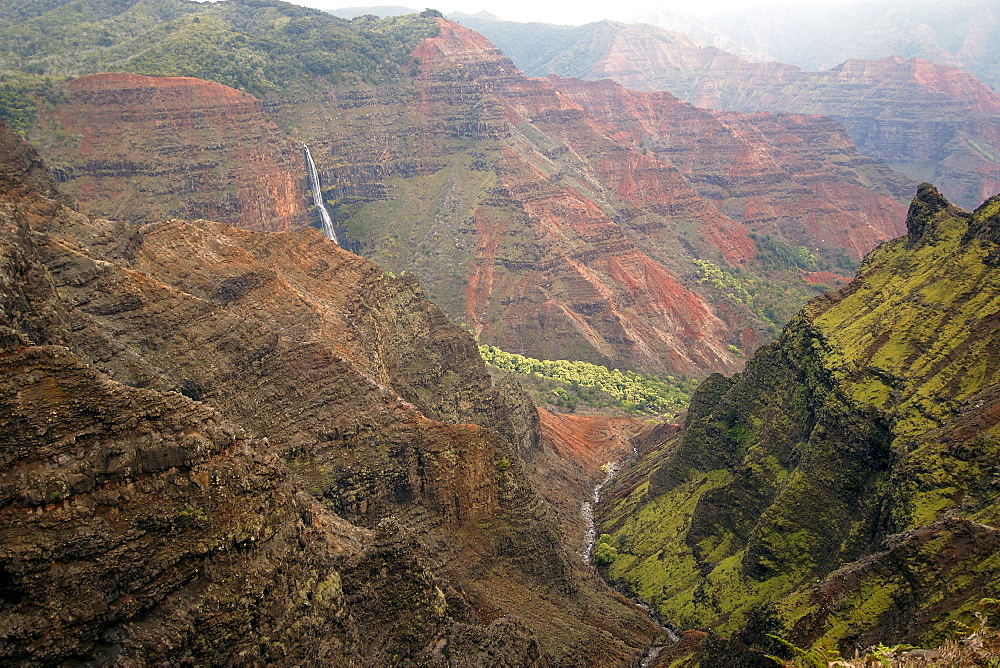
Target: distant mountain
933, 122
381, 11
818, 36
843, 489
540, 49
555, 218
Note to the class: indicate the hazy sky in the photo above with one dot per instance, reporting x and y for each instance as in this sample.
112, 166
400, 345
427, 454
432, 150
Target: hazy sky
564, 12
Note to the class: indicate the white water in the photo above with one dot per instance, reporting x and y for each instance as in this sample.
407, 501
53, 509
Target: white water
328, 230
587, 512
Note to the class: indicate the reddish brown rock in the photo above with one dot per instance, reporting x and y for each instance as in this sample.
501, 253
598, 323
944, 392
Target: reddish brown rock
784, 174
143, 148
932, 121
576, 248
555, 218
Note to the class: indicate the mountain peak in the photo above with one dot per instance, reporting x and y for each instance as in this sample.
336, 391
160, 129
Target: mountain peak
927, 203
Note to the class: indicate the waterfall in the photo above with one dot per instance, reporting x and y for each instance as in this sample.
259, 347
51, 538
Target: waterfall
328, 230
587, 512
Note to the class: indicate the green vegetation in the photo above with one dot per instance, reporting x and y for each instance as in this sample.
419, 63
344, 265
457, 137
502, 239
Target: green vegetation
724, 282
975, 644
820, 656
604, 552
563, 383
775, 254
773, 301
867, 418
20, 94
263, 47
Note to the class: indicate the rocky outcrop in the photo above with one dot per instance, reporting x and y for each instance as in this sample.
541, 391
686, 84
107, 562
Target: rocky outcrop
142, 148
220, 446
858, 451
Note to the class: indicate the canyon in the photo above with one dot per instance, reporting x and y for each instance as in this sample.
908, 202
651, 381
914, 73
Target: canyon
553, 217
223, 445
225, 438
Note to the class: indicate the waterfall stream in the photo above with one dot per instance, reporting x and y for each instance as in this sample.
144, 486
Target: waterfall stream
317, 194
587, 512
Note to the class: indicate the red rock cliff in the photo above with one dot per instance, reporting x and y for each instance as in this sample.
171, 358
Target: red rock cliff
151, 147
561, 218
932, 121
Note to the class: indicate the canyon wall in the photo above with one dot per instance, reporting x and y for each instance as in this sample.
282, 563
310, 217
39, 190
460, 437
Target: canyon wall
142, 148
554, 218
931, 121
222, 446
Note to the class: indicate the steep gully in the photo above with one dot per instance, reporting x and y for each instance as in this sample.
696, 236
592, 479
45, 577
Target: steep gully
587, 509
317, 195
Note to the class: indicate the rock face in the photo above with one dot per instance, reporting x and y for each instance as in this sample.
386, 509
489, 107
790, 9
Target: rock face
810, 168
858, 451
931, 121
226, 447
554, 218
143, 148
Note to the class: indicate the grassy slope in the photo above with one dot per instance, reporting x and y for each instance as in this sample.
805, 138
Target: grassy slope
778, 482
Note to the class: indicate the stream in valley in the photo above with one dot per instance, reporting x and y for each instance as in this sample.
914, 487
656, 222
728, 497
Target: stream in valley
668, 637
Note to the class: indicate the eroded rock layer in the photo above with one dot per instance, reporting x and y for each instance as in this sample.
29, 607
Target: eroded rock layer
142, 148
555, 218
552, 221
930, 120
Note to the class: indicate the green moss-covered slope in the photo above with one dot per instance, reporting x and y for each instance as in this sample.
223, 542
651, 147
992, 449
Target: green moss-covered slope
845, 486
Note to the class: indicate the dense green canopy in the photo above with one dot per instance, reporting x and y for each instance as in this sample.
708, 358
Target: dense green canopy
267, 48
